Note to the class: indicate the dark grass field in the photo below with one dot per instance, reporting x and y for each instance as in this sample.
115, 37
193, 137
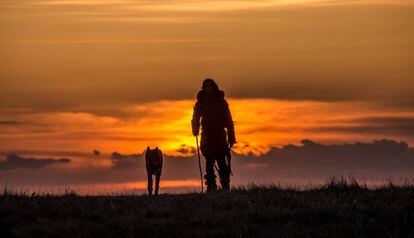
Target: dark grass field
338, 209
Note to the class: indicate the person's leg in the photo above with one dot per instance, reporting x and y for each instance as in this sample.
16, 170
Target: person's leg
210, 177
149, 184
224, 172
157, 183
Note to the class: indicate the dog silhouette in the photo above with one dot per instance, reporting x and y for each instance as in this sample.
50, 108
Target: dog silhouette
153, 162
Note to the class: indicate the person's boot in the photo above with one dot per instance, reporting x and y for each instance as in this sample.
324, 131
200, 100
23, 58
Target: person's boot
225, 179
211, 188
211, 183
225, 185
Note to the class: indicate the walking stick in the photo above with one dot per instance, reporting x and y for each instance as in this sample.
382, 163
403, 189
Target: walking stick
199, 165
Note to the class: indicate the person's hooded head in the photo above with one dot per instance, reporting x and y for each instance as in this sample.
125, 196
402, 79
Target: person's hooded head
210, 91
209, 86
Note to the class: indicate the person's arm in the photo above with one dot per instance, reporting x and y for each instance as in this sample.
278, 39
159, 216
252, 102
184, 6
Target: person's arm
195, 122
231, 135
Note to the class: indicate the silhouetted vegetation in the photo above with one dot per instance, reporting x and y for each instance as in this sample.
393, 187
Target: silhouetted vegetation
338, 209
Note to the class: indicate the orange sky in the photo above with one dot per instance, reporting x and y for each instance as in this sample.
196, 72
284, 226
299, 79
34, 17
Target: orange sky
260, 124
79, 75
91, 52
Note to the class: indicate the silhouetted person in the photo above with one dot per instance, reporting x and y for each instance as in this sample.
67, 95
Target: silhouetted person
216, 122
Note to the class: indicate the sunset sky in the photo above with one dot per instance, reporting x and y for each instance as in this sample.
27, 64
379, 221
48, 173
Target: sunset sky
115, 76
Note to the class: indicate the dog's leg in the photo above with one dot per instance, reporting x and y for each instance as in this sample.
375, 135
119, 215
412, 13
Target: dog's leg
157, 183
149, 184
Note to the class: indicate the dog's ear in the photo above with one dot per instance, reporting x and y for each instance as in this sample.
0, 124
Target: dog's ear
147, 151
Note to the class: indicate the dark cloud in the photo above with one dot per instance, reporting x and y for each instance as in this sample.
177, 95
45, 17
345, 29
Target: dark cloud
186, 149
310, 161
397, 130
310, 157
401, 126
387, 126
132, 138
50, 153
14, 161
129, 161
175, 167
380, 160
9, 123
403, 121
380, 154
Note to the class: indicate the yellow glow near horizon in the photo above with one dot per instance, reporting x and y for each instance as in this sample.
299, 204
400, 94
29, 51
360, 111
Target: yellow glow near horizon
260, 124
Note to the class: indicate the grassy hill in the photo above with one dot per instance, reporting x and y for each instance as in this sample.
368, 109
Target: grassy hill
338, 209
